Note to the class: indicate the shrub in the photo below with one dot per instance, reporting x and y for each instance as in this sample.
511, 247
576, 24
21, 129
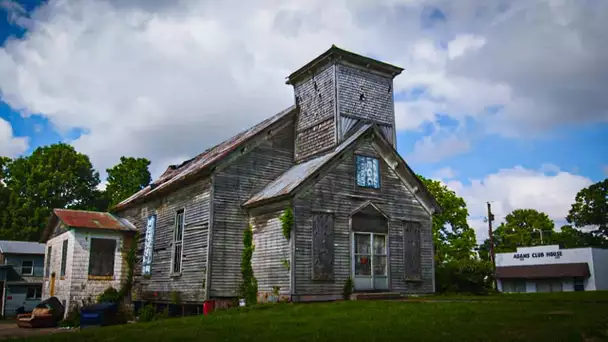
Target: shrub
347, 290
249, 286
72, 319
287, 222
147, 313
110, 295
464, 276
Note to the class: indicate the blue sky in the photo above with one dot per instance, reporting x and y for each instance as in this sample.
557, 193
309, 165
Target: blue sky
483, 104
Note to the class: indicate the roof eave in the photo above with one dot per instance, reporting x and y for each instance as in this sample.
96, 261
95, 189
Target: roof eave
336, 52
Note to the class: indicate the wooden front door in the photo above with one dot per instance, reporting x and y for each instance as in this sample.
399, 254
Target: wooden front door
370, 261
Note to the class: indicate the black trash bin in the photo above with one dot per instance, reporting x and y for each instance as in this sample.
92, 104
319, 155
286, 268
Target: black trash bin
98, 315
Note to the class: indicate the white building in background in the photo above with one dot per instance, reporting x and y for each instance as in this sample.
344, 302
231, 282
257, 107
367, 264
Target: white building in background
551, 269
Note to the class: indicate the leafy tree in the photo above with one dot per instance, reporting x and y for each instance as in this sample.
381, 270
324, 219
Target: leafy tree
453, 237
5, 194
54, 176
591, 208
570, 237
522, 227
126, 178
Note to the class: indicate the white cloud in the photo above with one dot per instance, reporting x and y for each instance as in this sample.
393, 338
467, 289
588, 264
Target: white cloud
463, 44
445, 173
432, 149
10, 146
519, 188
163, 80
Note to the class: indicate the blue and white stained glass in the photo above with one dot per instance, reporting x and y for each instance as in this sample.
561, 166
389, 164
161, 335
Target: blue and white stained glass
368, 172
148, 246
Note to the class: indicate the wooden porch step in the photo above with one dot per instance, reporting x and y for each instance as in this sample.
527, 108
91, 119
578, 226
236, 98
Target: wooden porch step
376, 295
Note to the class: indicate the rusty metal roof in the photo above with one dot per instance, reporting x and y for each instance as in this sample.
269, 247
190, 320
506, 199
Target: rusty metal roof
295, 176
92, 219
177, 173
580, 269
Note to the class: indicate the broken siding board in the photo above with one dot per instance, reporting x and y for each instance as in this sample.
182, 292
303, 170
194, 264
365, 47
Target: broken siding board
194, 199
271, 251
233, 186
336, 192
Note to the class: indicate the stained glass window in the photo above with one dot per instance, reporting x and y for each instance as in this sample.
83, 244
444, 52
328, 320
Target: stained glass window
148, 246
368, 172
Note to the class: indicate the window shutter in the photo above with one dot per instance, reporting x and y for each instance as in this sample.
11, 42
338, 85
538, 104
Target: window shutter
411, 237
323, 246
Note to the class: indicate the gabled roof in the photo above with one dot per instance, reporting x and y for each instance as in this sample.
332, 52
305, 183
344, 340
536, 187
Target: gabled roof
289, 182
178, 173
21, 247
295, 176
88, 220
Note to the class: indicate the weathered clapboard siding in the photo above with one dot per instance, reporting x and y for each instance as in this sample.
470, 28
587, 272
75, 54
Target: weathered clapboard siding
272, 251
336, 192
195, 200
233, 185
316, 98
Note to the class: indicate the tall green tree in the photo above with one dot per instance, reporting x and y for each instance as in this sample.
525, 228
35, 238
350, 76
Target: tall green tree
570, 237
126, 178
54, 176
591, 208
521, 228
453, 237
5, 194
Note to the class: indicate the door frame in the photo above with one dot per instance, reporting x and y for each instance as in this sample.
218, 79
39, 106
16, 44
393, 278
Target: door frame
388, 258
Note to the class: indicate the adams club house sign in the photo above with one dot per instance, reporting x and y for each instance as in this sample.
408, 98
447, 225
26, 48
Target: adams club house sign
553, 254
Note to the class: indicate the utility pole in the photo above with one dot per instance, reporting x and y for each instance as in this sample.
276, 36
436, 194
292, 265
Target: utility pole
491, 235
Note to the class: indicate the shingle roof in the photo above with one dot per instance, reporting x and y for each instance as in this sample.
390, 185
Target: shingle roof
293, 177
177, 173
21, 247
92, 219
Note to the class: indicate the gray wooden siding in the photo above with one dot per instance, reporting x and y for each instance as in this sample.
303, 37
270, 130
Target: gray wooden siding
233, 186
315, 139
271, 248
377, 102
195, 200
336, 192
316, 98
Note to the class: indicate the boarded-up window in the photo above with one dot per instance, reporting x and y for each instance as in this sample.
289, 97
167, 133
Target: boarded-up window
47, 267
64, 257
148, 246
101, 257
323, 246
178, 242
368, 172
411, 237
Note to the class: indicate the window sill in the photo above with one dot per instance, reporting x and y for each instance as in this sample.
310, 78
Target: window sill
413, 280
175, 275
62, 278
91, 277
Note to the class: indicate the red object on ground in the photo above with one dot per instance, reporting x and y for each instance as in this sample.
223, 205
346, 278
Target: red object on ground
208, 307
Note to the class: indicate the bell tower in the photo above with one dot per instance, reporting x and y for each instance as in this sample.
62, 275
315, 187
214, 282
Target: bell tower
334, 92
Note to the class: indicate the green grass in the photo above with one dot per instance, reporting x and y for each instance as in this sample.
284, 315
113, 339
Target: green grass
561, 317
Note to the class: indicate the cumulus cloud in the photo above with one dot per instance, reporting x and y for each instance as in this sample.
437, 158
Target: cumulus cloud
167, 79
445, 173
550, 191
433, 148
11, 146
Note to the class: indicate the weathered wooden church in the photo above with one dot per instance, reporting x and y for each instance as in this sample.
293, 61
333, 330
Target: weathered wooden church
359, 211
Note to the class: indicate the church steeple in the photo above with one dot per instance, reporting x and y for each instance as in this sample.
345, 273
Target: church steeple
334, 92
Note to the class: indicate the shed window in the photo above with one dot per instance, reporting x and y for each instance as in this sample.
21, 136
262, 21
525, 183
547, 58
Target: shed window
34, 292
101, 257
178, 242
27, 267
368, 172
64, 257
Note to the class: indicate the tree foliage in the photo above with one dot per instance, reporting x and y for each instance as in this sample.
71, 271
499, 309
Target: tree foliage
464, 276
453, 237
54, 176
126, 178
591, 208
523, 227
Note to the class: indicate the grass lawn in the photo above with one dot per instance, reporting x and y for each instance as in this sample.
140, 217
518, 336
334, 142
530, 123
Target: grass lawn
561, 317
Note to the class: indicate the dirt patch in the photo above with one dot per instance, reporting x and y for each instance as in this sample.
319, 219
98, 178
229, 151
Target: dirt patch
11, 330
